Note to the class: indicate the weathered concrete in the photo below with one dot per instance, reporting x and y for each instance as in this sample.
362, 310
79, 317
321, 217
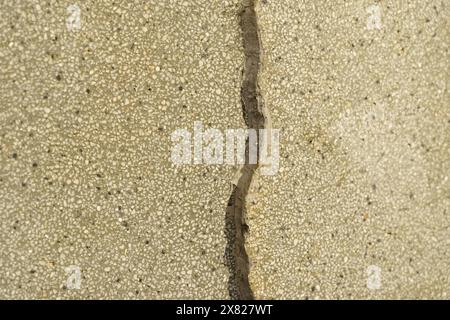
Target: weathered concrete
365, 152
86, 120
359, 208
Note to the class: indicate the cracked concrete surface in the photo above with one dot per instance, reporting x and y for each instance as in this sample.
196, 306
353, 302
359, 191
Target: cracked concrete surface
365, 152
86, 121
253, 112
360, 206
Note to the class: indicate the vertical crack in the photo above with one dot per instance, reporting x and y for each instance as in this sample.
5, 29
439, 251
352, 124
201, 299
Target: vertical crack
252, 107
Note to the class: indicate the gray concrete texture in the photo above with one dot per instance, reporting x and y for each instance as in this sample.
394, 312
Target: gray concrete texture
359, 208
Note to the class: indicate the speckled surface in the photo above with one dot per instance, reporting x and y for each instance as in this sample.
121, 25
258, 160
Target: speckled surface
359, 90
365, 152
86, 120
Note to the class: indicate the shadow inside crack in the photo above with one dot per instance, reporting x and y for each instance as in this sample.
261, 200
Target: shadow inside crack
236, 258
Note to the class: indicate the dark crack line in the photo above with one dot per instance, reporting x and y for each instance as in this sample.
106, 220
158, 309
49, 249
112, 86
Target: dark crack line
235, 225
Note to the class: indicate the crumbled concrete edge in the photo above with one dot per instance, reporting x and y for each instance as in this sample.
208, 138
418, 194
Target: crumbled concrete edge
236, 227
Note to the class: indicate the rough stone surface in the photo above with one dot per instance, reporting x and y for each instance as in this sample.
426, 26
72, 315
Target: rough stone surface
365, 152
359, 208
85, 142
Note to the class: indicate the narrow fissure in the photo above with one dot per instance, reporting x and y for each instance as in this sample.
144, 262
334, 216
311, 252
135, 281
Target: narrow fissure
235, 219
